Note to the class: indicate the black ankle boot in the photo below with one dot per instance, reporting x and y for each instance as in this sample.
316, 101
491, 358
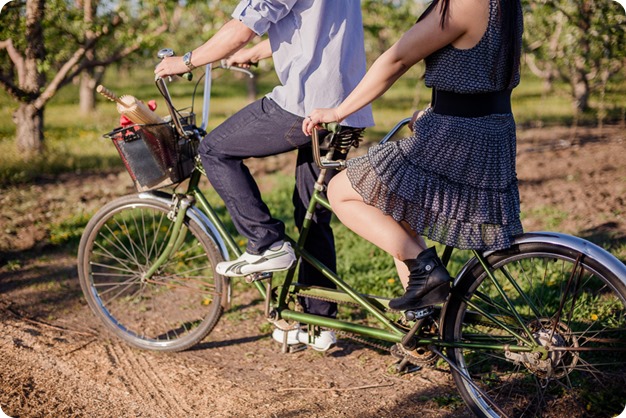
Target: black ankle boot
429, 282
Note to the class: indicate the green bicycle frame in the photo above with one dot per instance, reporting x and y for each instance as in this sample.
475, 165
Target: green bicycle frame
388, 331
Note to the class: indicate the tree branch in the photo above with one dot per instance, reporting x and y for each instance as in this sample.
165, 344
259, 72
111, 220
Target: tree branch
16, 58
13, 90
61, 75
534, 68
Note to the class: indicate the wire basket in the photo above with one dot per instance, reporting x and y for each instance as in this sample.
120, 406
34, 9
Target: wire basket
155, 156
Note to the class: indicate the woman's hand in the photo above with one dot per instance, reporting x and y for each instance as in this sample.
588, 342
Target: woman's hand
418, 114
170, 66
243, 58
318, 116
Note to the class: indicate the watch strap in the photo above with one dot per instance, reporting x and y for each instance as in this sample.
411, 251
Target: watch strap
187, 61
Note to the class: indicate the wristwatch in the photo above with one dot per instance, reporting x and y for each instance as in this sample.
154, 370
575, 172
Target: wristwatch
187, 61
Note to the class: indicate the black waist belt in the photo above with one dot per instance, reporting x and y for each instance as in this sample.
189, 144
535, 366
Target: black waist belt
472, 105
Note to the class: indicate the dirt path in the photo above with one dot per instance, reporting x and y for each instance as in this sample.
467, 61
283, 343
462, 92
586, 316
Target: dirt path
57, 360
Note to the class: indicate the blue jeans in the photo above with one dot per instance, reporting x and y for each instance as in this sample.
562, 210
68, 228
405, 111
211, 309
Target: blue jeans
262, 129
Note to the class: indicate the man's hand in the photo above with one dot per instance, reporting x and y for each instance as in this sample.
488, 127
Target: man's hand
170, 66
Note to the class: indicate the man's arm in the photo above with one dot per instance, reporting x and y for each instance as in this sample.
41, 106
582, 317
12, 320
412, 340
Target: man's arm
228, 39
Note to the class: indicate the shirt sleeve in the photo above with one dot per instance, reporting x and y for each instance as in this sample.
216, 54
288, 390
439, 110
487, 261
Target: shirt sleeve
259, 15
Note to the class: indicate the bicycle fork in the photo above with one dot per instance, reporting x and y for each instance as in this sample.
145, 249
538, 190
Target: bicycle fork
177, 233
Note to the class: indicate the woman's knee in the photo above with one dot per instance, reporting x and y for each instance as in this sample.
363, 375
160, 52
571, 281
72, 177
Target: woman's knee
340, 190
334, 189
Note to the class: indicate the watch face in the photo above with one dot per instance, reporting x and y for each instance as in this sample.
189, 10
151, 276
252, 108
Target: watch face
187, 58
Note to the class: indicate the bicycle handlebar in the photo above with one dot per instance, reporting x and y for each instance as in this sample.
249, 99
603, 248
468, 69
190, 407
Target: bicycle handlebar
162, 87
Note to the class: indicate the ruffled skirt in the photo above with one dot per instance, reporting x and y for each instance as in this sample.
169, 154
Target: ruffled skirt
453, 181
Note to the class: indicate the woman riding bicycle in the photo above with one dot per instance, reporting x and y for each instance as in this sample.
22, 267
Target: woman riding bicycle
454, 180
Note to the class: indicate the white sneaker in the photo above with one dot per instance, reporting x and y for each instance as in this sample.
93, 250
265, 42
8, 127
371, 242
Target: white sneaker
292, 336
322, 342
273, 259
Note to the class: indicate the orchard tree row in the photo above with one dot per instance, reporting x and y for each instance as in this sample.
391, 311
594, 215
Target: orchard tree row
45, 45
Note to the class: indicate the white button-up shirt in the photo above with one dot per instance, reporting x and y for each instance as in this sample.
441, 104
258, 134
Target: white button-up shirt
318, 52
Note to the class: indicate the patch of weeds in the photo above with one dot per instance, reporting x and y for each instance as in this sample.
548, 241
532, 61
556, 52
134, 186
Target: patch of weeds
549, 216
14, 265
448, 401
609, 403
68, 231
238, 313
265, 328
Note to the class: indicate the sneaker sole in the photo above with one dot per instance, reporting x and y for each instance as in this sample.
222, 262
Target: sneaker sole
266, 270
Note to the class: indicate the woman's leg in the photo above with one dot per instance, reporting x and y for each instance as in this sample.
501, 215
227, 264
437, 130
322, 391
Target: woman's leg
372, 224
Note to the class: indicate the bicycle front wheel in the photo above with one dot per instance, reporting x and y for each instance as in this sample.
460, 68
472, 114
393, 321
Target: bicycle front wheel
170, 310
544, 336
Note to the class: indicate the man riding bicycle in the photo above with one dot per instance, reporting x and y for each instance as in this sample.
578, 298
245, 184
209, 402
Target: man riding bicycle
318, 53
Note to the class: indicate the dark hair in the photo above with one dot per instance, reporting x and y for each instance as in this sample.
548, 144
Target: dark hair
509, 14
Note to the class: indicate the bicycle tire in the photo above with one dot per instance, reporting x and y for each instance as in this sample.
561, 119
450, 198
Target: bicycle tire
172, 310
572, 304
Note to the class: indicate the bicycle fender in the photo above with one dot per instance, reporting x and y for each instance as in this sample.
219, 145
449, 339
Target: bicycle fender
208, 228
591, 250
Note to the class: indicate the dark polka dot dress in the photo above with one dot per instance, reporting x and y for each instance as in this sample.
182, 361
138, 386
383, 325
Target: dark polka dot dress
454, 180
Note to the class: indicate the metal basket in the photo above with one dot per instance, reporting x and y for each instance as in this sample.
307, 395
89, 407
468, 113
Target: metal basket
154, 155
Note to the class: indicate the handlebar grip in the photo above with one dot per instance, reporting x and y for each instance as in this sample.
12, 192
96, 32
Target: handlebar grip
187, 76
333, 127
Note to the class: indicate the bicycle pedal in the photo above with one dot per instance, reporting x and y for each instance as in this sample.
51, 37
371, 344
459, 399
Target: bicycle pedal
405, 367
296, 348
414, 315
255, 277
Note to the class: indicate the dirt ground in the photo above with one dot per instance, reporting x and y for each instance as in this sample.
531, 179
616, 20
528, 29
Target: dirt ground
57, 360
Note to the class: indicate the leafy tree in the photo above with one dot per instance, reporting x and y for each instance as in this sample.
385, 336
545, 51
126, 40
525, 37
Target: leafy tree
384, 21
49, 43
580, 42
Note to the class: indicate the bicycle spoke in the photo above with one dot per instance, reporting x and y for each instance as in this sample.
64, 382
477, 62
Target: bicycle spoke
119, 246
503, 294
519, 290
113, 257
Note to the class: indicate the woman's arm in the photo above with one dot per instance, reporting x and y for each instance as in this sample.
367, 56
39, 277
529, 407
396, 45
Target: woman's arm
245, 57
424, 38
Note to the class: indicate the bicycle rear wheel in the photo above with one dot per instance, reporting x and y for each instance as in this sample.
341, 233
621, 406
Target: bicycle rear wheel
174, 308
554, 298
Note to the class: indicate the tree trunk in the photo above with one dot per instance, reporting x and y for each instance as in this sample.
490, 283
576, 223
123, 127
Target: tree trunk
580, 88
28, 118
87, 91
29, 129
